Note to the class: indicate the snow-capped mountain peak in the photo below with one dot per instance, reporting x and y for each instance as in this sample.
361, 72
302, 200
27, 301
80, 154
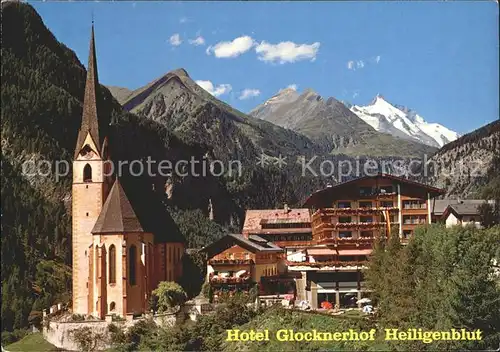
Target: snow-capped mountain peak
403, 122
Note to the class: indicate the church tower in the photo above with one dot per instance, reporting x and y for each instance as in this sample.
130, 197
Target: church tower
90, 187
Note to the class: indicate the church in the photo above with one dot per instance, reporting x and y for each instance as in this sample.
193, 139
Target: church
121, 249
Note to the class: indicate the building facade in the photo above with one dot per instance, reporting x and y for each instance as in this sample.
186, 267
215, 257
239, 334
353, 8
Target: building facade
327, 243
119, 255
238, 263
462, 214
288, 228
346, 219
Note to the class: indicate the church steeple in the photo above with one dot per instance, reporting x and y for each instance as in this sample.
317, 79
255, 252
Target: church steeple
90, 123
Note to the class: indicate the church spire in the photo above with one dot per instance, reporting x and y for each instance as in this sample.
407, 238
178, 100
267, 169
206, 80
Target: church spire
90, 123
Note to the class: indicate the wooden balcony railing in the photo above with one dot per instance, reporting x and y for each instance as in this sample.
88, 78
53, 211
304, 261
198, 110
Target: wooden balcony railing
415, 206
230, 280
231, 261
346, 240
415, 222
353, 211
361, 225
329, 263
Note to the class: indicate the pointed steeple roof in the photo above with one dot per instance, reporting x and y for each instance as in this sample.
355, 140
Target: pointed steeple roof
90, 123
117, 214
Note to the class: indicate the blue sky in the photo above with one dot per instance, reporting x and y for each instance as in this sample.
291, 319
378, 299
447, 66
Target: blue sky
439, 58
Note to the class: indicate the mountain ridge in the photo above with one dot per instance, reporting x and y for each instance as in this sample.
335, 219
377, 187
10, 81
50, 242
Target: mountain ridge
402, 122
333, 125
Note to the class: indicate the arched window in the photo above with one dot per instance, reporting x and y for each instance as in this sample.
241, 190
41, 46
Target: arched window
132, 258
112, 264
87, 173
112, 306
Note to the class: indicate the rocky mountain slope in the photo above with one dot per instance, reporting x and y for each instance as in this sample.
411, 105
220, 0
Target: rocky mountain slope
403, 122
331, 124
121, 94
178, 103
464, 166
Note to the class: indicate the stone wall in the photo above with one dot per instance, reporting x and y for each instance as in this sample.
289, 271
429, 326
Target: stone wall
59, 333
166, 320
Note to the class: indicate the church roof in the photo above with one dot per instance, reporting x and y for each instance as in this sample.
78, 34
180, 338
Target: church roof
90, 122
151, 210
117, 214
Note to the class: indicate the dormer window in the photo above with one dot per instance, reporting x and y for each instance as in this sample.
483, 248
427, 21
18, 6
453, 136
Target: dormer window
87, 173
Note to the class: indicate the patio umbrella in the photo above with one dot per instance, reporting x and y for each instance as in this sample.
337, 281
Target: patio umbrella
364, 300
240, 273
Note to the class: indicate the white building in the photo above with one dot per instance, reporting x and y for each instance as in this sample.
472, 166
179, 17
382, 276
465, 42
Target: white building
462, 214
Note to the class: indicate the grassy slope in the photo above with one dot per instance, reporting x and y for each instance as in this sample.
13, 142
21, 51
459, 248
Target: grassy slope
32, 342
302, 321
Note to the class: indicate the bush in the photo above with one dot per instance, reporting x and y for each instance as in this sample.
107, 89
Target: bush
9, 337
77, 317
86, 339
207, 291
170, 294
117, 336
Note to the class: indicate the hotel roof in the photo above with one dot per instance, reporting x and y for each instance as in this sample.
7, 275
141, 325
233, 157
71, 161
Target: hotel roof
255, 218
331, 189
253, 244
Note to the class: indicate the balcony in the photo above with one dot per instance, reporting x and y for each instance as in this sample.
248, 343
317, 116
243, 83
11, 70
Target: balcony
336, 263
346, 240
360, 225
230, 280
408, 206
324, 212
376, 194
415, 222
230, 262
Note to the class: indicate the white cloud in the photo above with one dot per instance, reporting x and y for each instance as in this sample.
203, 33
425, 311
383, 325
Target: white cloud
233, 48
249, 93
359, 64
175, 39
284, 52
197, 41
353, 65
214, 90
183, 20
